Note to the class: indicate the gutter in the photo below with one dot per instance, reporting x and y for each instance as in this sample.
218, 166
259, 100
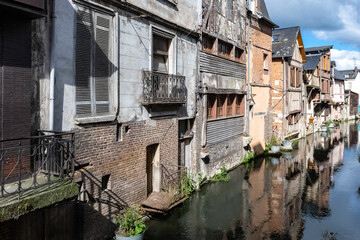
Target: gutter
248, 77
284, 91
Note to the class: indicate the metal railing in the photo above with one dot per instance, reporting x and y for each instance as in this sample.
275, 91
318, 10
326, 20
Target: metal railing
28, 163
171, 177
162, 88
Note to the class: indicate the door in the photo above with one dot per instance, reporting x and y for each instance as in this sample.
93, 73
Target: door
153, 168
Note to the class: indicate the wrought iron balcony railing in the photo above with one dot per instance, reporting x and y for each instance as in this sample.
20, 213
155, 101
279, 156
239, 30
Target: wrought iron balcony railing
29, 163
162, 88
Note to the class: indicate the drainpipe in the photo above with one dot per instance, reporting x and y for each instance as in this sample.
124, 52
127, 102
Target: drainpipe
248, 78
52, 70
284, 92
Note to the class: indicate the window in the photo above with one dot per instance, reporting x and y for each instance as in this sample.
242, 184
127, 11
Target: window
160, 54
239, 55
293, 118
292, 77
298, 78
92, 64
229, 9
220, 105
224, 49
211, 103
208, 43
218, 5
275, 38
265, 64
223, 105
105, 182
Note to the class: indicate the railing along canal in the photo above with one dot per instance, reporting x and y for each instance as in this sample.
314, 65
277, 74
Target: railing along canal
29, 163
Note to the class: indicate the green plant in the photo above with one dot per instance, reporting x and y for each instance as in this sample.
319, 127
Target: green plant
201, 178
186, 185
222, 176
273, 141
248, 157
131, 222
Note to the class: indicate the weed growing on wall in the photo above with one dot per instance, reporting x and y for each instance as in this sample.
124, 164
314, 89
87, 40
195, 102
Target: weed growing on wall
222, 176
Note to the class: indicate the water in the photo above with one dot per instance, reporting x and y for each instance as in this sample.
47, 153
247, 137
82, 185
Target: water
302, 195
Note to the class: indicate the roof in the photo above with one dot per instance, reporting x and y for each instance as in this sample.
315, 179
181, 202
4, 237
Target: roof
318, 49
338, 75
265, 14
287, 42
311, 62
351, 74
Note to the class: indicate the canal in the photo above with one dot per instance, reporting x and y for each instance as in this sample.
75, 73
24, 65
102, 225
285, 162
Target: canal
305, 194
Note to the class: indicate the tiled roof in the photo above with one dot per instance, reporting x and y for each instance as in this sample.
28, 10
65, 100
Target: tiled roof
311, 62
348, 74
338, 75
318, 49
287, 42
265, 14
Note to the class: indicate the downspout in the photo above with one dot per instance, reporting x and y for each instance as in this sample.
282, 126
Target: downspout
248, 78
52, 70
284, 92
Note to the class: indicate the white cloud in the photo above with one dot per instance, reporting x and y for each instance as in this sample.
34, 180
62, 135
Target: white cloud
350, 33
328, 19
345, 59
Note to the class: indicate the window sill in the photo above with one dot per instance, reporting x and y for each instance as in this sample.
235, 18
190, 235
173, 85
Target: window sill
94, 119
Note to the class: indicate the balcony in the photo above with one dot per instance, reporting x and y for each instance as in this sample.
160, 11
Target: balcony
32, 163
162, 88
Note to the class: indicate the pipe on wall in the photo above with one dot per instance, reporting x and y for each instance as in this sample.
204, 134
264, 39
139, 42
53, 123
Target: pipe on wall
284, 92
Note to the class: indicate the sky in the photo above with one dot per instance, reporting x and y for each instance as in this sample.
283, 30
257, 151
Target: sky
323, 22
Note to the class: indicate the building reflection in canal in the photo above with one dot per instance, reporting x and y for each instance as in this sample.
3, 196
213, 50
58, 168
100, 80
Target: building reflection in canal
267, 199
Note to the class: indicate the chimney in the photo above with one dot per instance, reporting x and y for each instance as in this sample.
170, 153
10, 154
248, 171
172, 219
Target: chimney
356, 69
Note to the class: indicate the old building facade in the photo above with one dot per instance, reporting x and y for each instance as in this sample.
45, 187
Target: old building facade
222, 99
259, 62
125, 79
287, 81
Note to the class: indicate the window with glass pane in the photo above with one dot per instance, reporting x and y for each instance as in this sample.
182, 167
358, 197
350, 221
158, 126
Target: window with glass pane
211, 103
220, 105
160, 53
230, 109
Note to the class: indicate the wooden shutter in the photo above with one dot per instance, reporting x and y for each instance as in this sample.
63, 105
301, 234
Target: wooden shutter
83, 63
292, 77
102, 63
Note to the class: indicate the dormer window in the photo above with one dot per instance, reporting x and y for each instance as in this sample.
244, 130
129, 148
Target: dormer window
275, 38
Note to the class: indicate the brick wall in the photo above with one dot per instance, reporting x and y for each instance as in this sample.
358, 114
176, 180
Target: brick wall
121, 152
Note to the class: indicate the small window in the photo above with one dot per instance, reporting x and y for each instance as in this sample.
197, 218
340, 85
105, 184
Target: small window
105, 182
239, 54
265, 61
230, 106
292, 77
218, 5
275, 38
211, 103
161, 47
224, 49
208, 43
220, 105
229, 9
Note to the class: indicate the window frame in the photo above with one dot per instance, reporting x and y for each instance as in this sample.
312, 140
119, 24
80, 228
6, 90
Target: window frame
222, 106
172, 38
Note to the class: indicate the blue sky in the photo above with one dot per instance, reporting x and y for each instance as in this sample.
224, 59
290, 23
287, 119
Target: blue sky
323, 22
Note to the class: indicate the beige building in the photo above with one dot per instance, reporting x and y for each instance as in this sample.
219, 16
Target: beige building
259, 62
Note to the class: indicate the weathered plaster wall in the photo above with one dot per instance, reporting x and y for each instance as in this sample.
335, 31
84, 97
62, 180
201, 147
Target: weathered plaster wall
182, 13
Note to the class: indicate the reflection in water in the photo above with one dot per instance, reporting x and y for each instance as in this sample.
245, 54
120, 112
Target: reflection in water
274, 198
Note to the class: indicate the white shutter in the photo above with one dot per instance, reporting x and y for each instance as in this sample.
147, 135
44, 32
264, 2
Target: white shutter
102, 63
83, 62
92, 63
